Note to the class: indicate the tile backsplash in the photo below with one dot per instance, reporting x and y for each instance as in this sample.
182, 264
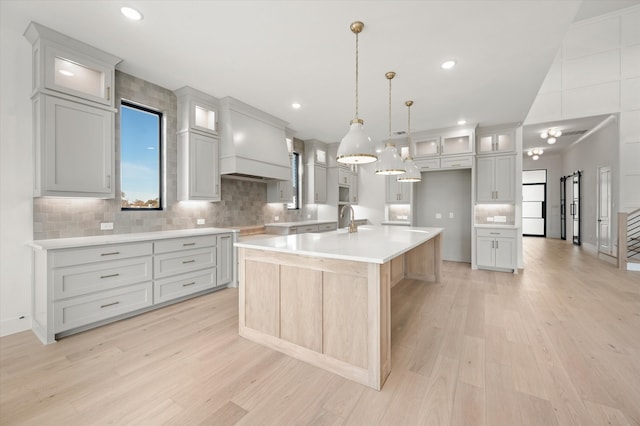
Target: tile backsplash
243, 203
495, 214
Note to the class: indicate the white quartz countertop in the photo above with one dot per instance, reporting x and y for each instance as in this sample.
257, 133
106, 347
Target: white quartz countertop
63, 243
371, 244
301, 223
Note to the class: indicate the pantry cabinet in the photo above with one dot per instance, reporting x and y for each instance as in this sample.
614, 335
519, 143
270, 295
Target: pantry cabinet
74, 116
495, 181
198, 146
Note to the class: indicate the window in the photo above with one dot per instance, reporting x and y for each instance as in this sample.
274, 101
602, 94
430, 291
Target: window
140, 157
295, 182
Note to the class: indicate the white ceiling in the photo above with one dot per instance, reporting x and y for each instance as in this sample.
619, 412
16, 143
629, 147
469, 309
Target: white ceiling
272, 53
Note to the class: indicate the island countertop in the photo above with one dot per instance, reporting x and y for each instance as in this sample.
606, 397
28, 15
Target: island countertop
371, 244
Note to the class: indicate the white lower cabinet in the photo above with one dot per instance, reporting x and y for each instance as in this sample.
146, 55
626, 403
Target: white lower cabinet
89, 285
496, 249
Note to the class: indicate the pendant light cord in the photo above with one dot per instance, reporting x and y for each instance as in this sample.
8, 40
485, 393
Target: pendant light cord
409, 131
389, 141
357, 75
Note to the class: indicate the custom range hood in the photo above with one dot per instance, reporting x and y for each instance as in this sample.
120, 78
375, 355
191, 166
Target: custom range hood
252, 143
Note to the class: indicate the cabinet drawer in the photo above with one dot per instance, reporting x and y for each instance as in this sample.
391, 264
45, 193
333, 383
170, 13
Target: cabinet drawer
496, 232
450, 163
79, 256
84, 310
325, 227
187, 243
428, 164
307, 228
78, 280
168, 264
183, 285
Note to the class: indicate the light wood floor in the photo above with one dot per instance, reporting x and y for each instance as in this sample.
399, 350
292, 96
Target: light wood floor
557, 344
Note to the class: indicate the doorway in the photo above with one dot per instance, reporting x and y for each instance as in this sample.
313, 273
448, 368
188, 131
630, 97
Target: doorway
443, 200
534, 203
605, 245
575, 207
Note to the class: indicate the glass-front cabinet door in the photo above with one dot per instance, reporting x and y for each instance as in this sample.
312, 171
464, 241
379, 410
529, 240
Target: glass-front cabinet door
77, 75
427, 147
457, 145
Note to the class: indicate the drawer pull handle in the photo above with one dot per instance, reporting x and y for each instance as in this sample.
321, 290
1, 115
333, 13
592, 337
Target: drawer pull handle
188, 244
494, 233
110, 254
188, 284
188, 261
108, 276
109, 304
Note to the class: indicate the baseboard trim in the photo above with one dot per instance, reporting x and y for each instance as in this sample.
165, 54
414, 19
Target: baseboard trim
608, 258
633, 266
15, 325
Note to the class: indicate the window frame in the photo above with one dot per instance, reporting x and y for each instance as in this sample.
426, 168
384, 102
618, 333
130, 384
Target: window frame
295, 166
161, 140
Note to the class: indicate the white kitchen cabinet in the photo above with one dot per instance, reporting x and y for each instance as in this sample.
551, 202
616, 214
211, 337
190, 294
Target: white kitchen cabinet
344, 177
353, 190
446, 142
198, 167
503, 141
496, 249
316, 152
73, 116
198, 146
225, 259
495, 179
316, 184
64, 66
90, 283
74, 149
280, 191
397, 192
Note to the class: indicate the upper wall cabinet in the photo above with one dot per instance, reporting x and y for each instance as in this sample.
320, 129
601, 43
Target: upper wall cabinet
67, 66
316, 152
494, 142
197, 111
198, 146
443, 142
73, 116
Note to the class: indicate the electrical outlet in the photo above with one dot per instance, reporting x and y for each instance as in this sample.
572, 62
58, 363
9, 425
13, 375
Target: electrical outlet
438, 215
450, 215
308, 216
200, 222
276, 218
106, 226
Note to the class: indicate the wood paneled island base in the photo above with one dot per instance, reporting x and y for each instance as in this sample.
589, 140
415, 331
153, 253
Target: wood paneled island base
331, 312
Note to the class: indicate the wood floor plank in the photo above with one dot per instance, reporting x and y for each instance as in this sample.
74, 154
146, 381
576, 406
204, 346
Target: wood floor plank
556, 343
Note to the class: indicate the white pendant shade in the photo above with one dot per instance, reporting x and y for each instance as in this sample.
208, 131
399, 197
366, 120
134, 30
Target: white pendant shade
356, 147
390, 162
412, 174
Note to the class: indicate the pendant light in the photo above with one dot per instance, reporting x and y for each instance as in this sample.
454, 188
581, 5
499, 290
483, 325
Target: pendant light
413, 173
390, 162
356, 147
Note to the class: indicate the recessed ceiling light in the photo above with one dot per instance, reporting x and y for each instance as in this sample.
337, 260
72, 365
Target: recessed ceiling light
447, 65
461, 122
131, 13
295, 105
66, 73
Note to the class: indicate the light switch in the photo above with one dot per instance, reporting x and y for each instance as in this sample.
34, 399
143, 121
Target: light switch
106, 226
450, 215
276, 218
438, 215
200, 222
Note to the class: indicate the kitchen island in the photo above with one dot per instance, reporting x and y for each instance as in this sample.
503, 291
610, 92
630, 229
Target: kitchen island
326, 298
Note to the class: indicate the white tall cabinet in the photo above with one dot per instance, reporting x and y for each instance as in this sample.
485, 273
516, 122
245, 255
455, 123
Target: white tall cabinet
495, 179
198, 146
73, 112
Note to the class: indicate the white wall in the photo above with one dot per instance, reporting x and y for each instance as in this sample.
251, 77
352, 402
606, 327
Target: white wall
16, 203
597, 71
